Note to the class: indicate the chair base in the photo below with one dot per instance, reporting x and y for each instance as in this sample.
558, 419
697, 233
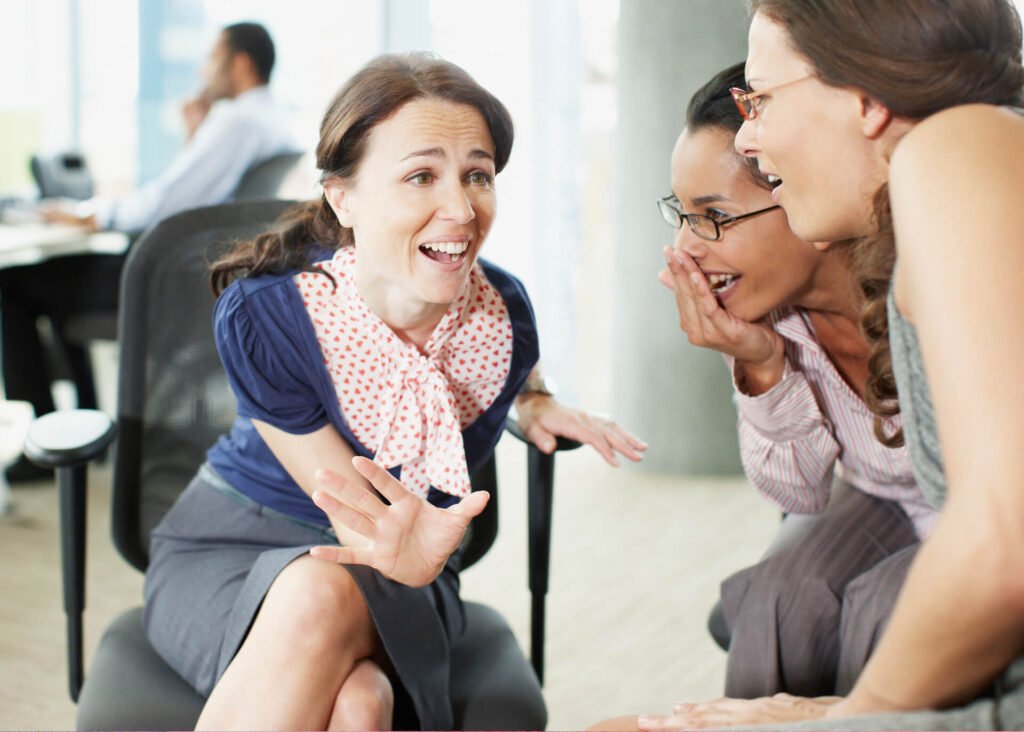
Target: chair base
130, 687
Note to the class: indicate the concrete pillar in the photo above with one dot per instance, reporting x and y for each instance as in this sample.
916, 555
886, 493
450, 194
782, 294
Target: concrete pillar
676, 396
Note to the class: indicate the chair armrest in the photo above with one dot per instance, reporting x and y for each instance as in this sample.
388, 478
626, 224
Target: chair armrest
69, 437
561, 443
66, 441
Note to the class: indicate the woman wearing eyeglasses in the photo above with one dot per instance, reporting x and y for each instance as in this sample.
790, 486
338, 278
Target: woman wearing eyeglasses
785, 315
901, 124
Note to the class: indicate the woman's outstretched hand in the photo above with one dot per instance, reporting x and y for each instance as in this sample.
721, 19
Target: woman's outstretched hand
725, 712
409, 541
543, 419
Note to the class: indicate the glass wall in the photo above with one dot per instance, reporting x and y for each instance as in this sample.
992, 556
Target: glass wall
109, 77
35, 101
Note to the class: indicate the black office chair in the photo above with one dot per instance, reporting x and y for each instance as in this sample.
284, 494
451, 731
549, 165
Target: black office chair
173, 401
266, 179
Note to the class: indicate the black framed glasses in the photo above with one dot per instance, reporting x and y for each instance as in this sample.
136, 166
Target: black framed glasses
703, 226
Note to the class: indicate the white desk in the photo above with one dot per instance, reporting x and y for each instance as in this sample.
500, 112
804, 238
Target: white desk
30, 243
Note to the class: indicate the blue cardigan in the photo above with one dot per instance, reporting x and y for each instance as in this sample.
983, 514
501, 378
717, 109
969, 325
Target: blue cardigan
274, 364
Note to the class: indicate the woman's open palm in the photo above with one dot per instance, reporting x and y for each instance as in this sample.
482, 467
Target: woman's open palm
409, 540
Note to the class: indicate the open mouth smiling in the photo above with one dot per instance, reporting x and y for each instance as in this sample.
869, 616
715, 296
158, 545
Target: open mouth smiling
720, 283
445, 251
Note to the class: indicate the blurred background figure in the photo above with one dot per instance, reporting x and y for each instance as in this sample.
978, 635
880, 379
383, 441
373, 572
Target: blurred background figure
233, 124
223, 140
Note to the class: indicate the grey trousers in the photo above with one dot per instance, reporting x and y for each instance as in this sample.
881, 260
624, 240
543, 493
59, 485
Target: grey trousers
805, 619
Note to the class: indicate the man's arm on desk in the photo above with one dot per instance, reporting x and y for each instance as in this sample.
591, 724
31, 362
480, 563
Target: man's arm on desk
205, 170
54, 212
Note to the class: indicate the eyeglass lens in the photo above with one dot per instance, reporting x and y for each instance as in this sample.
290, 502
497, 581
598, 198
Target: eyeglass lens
743, 103
702, 226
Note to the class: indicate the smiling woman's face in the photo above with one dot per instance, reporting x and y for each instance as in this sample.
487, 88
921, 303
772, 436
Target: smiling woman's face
812, 136
759, 264
421, 203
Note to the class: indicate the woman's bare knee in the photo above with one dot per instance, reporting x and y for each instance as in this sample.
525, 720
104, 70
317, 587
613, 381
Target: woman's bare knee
317, 606
309, 636
366, 700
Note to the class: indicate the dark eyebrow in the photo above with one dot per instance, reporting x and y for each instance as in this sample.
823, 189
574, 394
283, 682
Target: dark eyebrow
710, 198
437, 152
430, 152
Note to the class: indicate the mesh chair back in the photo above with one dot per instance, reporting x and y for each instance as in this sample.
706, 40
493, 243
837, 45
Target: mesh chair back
173, 397
265, 179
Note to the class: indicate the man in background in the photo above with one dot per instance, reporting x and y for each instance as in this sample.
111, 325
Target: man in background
223, 140
234, 124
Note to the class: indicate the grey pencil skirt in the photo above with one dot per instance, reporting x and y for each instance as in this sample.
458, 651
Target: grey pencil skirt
213, 558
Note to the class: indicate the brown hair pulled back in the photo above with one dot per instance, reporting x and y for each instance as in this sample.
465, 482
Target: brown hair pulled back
916, 57
712, 107
371, 96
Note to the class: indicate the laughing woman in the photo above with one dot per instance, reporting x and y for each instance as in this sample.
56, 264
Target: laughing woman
367, 327
785, 314
900, 124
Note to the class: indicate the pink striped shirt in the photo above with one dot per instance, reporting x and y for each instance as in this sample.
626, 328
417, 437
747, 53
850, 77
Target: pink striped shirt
794, 437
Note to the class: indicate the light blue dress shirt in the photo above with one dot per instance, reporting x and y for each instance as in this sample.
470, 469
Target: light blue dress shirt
236, 134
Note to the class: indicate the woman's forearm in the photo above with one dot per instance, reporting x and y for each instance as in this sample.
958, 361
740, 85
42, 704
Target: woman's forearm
957, 623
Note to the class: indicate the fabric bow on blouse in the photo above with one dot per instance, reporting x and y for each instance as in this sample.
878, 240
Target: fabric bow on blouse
409, 407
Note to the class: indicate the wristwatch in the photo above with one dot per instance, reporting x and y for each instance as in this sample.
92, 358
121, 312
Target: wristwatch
537, 384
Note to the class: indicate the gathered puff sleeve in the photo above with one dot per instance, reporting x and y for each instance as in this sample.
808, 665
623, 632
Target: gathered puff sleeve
264, 347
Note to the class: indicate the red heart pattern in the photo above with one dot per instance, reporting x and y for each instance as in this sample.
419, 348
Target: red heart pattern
409, 406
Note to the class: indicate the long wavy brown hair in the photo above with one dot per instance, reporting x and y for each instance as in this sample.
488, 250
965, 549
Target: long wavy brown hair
375, 93
916, 57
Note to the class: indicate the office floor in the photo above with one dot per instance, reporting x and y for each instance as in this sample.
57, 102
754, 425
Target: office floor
635, 565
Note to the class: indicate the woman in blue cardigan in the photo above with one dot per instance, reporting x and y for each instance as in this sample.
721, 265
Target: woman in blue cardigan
372, 354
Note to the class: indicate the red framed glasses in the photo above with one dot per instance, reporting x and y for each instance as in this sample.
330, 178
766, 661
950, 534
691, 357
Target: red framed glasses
750, 102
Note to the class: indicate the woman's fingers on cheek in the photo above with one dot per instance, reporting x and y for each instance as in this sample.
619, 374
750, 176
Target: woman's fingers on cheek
685, 304
677, 269
701, 289
687, 263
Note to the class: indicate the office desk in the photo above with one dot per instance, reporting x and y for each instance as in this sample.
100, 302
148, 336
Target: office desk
30, 243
